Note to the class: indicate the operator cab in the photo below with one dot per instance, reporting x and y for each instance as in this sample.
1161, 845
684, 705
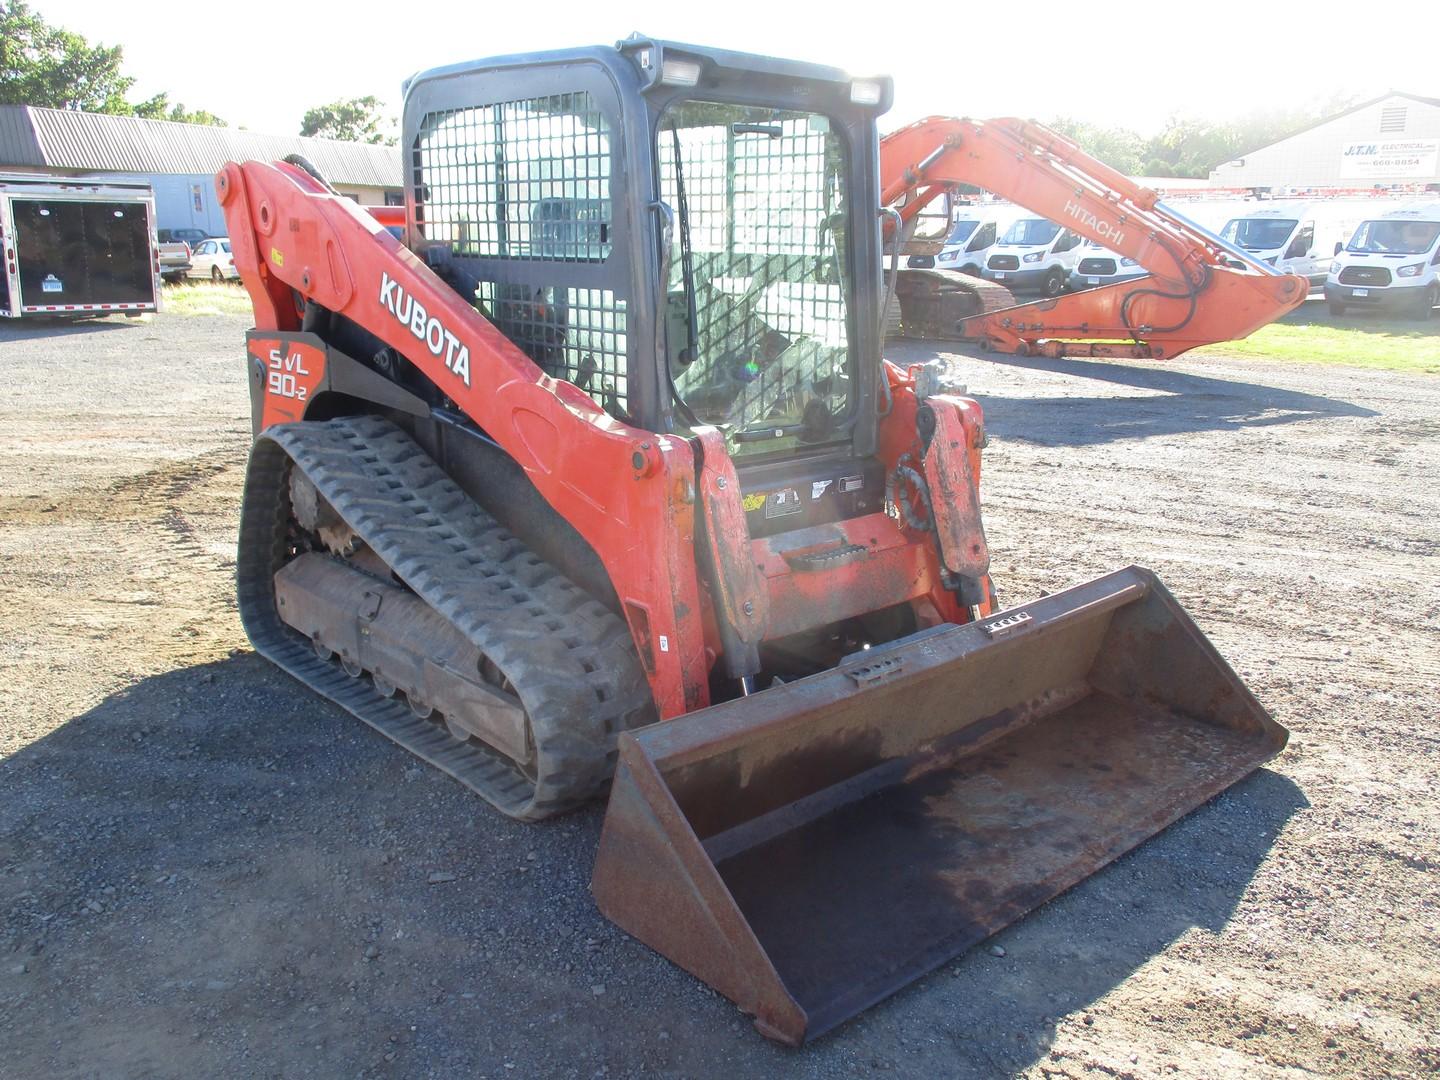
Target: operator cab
689, 235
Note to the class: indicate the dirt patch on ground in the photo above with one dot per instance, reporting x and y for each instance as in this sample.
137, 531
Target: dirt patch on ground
205, 870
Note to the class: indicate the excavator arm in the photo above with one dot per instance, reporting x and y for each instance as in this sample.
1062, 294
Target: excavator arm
1201, 290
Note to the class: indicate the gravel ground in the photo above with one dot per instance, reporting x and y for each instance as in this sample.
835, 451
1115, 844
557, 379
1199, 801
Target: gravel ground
205, 870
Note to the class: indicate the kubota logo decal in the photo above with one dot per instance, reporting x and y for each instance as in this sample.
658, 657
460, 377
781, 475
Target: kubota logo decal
1108, 232
430, 330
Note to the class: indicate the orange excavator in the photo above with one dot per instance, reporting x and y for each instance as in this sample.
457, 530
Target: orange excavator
598, 471
1201, 289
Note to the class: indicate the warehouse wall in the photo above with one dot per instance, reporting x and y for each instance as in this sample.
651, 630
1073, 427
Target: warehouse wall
1315, 157
190, 202
187, 202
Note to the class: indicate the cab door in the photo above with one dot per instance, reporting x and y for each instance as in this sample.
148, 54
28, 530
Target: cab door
978, 249
1300, 256
1065, 251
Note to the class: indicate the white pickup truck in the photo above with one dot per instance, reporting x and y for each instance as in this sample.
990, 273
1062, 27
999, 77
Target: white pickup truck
177, 247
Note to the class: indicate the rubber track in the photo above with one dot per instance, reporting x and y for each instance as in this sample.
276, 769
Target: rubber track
569, 659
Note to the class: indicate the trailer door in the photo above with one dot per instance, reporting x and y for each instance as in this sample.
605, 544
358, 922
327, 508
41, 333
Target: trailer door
83, 253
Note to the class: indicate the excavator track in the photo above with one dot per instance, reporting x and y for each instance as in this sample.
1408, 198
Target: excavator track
932, 302
567, 658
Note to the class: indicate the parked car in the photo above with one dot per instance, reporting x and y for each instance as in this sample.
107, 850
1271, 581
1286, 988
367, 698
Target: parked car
186, 236
213, 257
1392, 261
175, 248
1034, 255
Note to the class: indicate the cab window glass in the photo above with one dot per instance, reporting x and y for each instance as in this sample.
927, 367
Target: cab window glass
1302, 243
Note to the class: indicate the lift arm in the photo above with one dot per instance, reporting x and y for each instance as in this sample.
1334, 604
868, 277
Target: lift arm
1201, 290
628, 492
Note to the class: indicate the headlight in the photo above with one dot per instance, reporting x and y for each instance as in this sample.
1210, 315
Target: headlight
1128, 262
679, 72
1413, 270
866, 92
1035, 256
947, 256
1335, 267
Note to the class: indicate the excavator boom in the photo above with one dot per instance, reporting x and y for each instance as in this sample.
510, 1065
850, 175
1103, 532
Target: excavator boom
1201, 290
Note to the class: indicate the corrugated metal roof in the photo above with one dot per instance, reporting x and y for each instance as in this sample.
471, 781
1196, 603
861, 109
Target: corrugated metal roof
62, 139
17, 138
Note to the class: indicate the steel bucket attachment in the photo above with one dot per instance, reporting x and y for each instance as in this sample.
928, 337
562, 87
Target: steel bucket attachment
813, 848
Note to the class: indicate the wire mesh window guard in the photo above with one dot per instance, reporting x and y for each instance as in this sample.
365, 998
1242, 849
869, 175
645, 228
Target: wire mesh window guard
574, 334
518, 180
530, 180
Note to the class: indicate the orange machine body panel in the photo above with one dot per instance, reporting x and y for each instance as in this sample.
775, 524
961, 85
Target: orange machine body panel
632, 494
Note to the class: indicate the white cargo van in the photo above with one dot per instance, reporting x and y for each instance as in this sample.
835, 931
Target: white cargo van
973, 232
1392, 262
1034, 255
1099, 266
972, 238
1294, 237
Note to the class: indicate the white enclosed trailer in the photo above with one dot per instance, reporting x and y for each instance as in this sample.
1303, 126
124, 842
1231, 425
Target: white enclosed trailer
72, 247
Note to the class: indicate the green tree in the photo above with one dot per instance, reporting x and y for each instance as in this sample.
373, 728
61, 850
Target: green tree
45, 65
351, 120
1120, 148
159, 108
56, 68
1192, 147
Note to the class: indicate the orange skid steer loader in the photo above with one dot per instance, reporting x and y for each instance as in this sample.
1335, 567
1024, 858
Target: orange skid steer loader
600, 473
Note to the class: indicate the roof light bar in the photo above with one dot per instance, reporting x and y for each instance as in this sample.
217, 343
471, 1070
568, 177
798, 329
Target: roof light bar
866, 92
679, 72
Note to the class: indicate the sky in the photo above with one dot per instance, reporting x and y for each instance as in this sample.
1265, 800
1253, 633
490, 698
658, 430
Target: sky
261, 63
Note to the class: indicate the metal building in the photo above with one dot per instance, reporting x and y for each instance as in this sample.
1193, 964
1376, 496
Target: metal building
179, 161
1394, 139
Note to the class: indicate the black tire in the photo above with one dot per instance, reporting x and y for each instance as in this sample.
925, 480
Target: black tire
971, 269
1054, 283
1336, 308
1426, 309
217, 275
